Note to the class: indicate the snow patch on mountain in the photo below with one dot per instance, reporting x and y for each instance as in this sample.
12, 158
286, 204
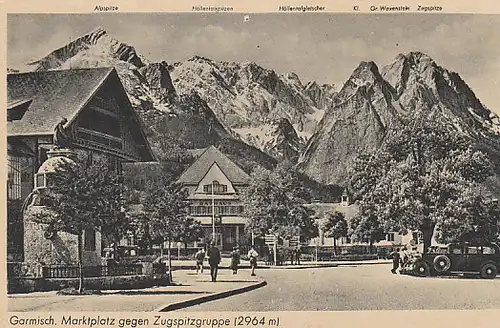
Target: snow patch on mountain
246, 96
256, 136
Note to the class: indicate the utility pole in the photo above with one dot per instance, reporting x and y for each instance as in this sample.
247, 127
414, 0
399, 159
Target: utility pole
213, 213
275, 250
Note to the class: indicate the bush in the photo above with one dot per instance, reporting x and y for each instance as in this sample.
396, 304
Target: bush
26, 285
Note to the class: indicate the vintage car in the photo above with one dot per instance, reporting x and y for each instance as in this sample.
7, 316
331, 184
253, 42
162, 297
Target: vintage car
481, 259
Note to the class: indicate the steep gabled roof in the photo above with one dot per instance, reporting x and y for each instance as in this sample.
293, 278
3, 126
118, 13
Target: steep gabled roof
211, 155
52, 95
38, 100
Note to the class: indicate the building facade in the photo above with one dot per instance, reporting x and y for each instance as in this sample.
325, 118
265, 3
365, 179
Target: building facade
215, 184
350, 211
102, 126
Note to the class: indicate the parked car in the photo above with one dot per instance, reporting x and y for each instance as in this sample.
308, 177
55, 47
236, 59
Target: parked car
126, 254
481, 259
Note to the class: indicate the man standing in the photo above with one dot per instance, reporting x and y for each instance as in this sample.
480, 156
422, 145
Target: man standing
405, 256
235, 259
252, 255
213, 260
395, 260
200, 256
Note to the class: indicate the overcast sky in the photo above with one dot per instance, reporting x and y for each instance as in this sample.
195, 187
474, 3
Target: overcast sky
321, 47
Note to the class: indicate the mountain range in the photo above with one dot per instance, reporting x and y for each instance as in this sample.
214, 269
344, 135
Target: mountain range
260, 117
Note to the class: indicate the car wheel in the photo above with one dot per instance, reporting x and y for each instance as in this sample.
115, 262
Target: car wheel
488, 271
442, 263
422, 269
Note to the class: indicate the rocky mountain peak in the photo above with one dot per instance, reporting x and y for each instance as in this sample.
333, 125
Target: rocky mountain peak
95, 34
371, 99
367, 72
94, 49
247, 97
365, 80
420, 83
200, 59
294, 78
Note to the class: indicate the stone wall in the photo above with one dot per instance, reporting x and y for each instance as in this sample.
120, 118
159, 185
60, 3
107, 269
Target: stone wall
61, 249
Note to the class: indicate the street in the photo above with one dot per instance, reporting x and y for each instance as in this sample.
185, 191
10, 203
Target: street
364, 287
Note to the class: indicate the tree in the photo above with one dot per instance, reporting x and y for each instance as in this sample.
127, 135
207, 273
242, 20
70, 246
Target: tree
167, 208
366, 227
334, 225
273, 205
82, 197
470, 217
413, 180
190, 230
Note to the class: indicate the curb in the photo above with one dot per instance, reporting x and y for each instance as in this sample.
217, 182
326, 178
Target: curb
366, 263
211, 297
318, 266
289, 267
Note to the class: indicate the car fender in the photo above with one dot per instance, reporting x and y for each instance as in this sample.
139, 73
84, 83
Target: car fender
492, 262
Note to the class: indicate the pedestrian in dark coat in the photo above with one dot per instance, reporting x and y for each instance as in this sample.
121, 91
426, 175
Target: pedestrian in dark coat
235, 260
214, 260
396, 257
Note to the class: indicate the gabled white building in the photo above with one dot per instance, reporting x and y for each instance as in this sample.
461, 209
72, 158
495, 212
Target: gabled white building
215, 184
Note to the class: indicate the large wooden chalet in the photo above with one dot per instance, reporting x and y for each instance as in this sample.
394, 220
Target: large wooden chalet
101, 122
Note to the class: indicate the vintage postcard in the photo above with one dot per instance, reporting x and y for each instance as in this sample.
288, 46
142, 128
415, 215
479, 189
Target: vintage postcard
234, 164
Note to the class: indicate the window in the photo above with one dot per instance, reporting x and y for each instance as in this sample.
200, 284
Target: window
390, 236
89, 240
456, 251
488, 250
14, 177
221, 208
218, 188
40, 181
42, 155
472, 250
16, 110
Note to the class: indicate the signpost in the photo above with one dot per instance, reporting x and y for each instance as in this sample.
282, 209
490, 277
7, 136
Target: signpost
272, 240
294, 241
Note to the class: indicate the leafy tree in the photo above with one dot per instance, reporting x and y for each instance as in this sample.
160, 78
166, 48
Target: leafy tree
167, 208
334, 225
366, 227
82, 197
414, 180
139, 226
190, 230
470, 217
273, 205
14, 227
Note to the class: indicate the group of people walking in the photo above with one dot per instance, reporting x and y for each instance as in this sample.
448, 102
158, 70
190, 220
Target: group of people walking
214, 258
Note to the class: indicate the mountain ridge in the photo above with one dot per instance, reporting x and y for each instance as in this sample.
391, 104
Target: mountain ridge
274, 116
371, 99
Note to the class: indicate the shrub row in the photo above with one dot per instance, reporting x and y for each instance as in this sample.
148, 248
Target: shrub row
26, 285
